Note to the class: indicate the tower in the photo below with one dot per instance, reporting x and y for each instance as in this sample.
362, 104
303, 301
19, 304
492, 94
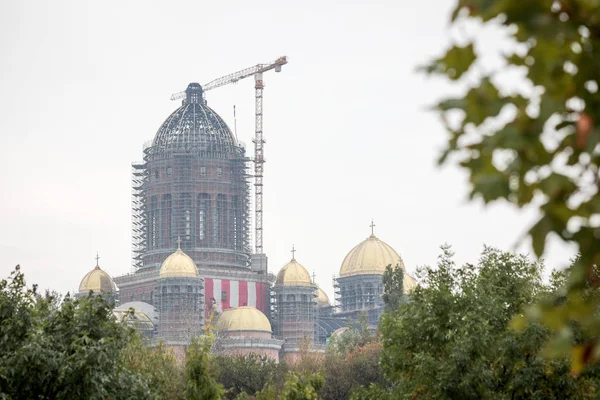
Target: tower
193, 183
359, 285
295, 311
179, 299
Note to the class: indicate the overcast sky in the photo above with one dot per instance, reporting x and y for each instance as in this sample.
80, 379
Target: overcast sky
83, 84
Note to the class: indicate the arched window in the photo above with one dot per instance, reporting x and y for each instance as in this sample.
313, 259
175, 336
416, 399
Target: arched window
220, 219
185, 225
203, 207
369, 295
165, 225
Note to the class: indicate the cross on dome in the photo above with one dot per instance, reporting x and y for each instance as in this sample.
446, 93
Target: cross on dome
178, 242
97, 260
293, 252
372, 226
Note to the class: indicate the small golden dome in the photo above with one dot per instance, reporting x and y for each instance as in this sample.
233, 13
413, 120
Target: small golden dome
97, 280
178, 264
371, 257
293, 274
245, 318
322, 298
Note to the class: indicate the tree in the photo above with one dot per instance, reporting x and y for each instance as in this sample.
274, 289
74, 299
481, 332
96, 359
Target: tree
344, 374
62, 349
393, 287
351, 361
302, 386
357, 334
452, 340
158, 365
536, 147
199, 374
247, 374
53, 348
297, 386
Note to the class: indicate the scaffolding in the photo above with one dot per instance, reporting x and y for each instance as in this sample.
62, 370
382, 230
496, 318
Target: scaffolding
359, 294
193, 184
294, 311
180, 302
139, 175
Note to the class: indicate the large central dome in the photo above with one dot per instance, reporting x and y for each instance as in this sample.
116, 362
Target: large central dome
195, 126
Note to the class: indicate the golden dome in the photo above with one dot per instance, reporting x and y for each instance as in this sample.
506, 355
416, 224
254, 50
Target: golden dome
322, 298
293, 274
245, 318
178, 264
97, 280
371, 257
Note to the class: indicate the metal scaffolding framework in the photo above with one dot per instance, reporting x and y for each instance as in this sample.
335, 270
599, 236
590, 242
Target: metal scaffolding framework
355, 295
294, 313
259, 159
193, 183
180, 302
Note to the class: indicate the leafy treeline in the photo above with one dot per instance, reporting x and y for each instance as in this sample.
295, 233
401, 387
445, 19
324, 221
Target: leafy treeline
452, 338
52, 348
537, 144
74, 348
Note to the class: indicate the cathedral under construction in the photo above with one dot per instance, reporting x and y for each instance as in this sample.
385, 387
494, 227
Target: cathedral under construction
192, 255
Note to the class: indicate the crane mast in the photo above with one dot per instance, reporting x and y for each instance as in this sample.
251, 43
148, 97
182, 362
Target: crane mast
259, 159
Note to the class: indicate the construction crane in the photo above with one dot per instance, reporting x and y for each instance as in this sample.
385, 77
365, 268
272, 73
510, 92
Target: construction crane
259, 142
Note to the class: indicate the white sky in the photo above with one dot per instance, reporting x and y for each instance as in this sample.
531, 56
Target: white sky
84, 84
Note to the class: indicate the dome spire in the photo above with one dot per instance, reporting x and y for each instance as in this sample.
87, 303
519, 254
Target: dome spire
194, 94
97, 260
293, 253
372, 228
179, 242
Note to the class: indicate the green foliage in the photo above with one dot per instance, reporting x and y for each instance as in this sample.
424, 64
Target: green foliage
393, 287
158, 365
356, 335
62, 350
374, 391
351, 361
297, 386
52, 348
345, 373
302, 386
269, 392
536, 147
200, 382
247, 374
452, 340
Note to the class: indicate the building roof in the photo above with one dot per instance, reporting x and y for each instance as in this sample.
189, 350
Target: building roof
140, 306
245, 318
293, 274
178, 264
97, 280
322, 298
371, 257
137, 320
194, 126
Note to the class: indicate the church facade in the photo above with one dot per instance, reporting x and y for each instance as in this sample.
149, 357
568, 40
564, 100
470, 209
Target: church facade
192, 261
